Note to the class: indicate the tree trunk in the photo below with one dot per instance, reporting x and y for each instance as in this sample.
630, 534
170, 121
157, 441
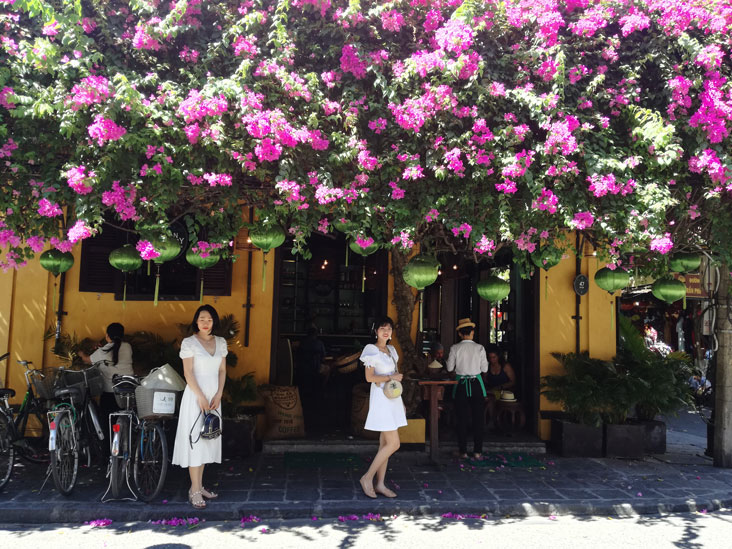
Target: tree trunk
412, 363
723, 386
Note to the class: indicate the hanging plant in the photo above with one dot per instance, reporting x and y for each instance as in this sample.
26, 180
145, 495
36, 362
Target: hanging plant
420, 272
493, 289
684, 263
202, 263
266, 237
56, 262
363, 252
125, 259
168, 248
669, 290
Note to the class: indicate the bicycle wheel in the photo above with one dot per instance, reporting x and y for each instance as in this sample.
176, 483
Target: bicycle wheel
151, 461
65, 458
7, 452
33, 447
118, 469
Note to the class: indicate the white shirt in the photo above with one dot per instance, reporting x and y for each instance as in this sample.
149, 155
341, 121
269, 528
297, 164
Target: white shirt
467, 358
123, 366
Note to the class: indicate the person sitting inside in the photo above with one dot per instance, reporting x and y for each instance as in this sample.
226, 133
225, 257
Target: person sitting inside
500, 375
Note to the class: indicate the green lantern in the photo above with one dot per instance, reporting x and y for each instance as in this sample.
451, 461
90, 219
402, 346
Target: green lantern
56, 262
612, 280
168, 248
265, 238
363, 252
493, 289
684, 263
420, 272
669, 290
125, 259
545, 258
201, 263
341, 224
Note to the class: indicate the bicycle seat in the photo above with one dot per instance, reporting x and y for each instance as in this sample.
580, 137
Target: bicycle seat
70, 392
7, 393
124, 384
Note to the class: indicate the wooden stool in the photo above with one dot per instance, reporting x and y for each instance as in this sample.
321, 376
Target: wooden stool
510, 416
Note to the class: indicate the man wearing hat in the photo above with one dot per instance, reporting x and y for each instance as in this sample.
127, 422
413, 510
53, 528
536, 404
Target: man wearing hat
469, 360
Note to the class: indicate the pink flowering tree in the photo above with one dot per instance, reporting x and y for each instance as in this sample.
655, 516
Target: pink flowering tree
472, 126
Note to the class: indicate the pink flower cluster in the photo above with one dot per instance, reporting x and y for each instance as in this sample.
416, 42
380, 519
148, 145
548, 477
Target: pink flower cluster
455, 36
600, 185
662, 244
4, 93
710, 58
367, 161
351, 62
79, 231
143, 40
547, 201
582, 220
432, 215
103, 130
377, 125
560, 136
679, 96
404, 240
432, 20
709, 162
196, 107
79, 180
91, 90
392, 20
464, 229
364, 242
221, 179
714, 111
414, 112
485, 246
7, 149
188, 55
246, 45
46, 208
635, 21
146, 250
122, 199
205, 249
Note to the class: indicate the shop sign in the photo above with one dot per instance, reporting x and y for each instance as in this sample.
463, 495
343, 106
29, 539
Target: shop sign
694, 285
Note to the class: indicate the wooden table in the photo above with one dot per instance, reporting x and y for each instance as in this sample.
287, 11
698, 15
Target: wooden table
432, 386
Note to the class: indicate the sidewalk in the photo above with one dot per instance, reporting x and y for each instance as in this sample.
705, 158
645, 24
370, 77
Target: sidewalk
286, 485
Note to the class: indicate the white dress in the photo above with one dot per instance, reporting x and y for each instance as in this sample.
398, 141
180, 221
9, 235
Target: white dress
206, 372
385, 414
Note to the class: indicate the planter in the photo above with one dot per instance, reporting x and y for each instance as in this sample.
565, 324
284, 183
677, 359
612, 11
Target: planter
238, 436
624, 440
654, 440
571, 439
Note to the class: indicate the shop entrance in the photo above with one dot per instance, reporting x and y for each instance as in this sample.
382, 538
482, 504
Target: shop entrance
325, 307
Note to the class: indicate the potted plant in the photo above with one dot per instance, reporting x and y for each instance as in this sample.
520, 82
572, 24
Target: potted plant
661, 380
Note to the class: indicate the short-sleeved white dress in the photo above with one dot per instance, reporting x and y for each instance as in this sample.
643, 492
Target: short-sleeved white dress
385, 414
206, 371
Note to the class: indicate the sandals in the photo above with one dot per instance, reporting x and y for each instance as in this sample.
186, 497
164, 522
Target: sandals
368, 489
196, 499
208, 494
384, 491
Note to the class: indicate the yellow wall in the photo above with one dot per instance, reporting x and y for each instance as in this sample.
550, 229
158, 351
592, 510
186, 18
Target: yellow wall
557, 327
26, 311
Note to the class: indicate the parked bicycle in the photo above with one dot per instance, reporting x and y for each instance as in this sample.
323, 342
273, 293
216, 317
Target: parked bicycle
145, 461
74, 427
24, 431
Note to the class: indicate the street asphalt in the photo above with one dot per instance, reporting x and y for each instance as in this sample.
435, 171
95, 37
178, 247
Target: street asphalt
325, 485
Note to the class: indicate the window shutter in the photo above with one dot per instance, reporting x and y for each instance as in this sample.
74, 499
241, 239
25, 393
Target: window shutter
217, 279
95, 272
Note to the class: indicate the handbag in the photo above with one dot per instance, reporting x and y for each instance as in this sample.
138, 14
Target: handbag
393, 388
210, 429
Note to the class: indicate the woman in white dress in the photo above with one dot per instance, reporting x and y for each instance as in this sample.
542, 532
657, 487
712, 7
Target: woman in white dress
385, 414
204, 367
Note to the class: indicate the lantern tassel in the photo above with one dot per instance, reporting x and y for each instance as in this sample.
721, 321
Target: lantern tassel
346, 254
148, 267
363, 277
421, 295
546, 287
200, 299
264, 271
54, 295
157, 287
612, 315
124, 292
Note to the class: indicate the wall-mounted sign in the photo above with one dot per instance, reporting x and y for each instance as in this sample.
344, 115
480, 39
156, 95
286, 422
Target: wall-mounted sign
581, 284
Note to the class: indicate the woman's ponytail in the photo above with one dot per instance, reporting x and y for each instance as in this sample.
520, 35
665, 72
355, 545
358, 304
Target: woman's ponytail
116, 332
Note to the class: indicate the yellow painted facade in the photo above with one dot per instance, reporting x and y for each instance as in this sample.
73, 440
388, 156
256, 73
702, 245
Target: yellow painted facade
557, 327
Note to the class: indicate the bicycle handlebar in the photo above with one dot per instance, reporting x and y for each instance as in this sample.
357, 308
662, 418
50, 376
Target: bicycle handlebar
3, 357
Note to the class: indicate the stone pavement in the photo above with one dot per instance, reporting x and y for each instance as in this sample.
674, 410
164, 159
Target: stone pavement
286, 486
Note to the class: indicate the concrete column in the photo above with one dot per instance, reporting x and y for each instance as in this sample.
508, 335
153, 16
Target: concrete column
723, 387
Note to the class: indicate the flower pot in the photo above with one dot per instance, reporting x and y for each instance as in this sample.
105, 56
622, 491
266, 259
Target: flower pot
654, 440
237, 438
625, 440
571, 439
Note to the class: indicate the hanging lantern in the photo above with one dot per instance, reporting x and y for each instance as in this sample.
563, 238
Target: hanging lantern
168, 248
612, 280
201, 263
125, 259
56, 262
668, 290
341, 224
420, 272
493, 289
356, 248
684, 263
265, 238
545, 258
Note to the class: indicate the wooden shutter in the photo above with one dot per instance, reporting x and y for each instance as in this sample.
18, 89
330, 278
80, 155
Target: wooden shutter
217, 279
95, 272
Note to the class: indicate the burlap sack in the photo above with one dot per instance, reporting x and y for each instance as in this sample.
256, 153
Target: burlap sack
283, 410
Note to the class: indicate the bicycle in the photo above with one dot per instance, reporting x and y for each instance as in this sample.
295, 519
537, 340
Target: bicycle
147, 458
74, 427
14, 432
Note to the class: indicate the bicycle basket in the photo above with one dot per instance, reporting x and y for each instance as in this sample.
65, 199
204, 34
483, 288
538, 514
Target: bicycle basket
43, 381
87, 380
157, 402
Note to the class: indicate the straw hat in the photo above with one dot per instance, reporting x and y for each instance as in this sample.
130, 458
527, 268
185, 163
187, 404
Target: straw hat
465, 323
